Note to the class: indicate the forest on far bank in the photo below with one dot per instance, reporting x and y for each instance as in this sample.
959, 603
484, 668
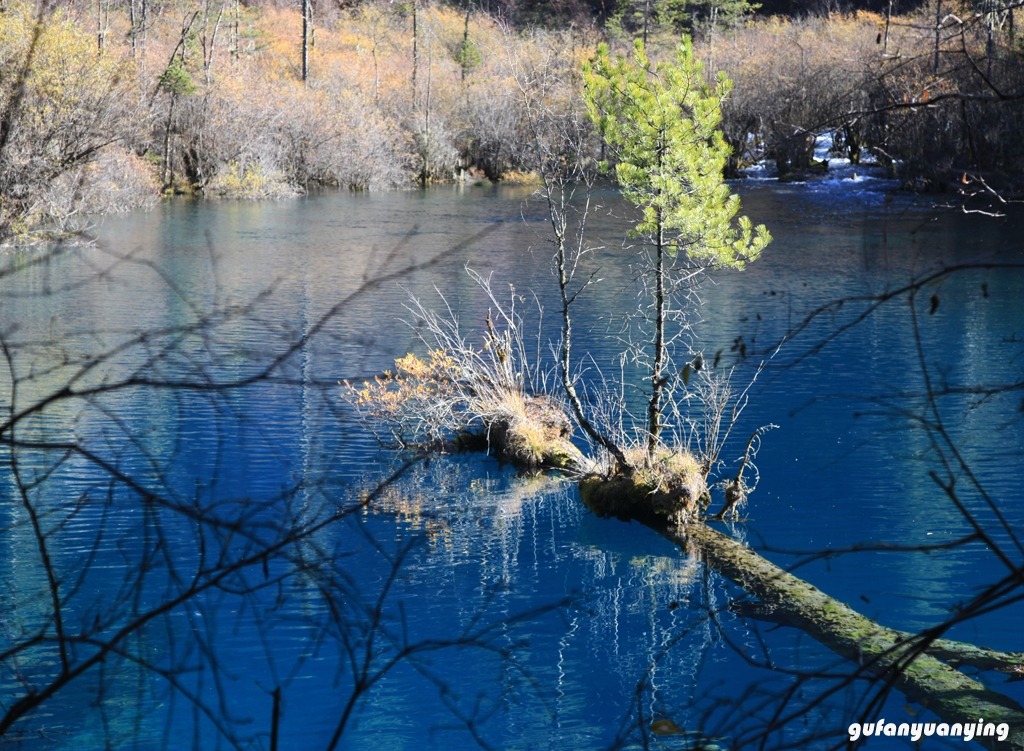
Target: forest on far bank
106, 105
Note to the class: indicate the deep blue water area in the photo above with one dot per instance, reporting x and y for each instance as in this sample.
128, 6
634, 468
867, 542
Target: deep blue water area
452, 602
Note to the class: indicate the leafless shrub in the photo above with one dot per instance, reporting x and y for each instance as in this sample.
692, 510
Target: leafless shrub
116, 182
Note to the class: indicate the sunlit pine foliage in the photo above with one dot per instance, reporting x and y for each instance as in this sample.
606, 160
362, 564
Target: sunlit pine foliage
662, 124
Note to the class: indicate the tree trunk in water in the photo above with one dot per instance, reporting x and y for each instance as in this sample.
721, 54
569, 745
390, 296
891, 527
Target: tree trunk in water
557, 215
909, 663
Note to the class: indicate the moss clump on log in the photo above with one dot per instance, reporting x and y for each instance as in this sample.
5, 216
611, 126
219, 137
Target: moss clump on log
535, 436
669, 485
904, 660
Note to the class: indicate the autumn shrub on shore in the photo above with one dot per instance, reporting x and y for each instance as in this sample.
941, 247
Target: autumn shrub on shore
103, 112
395, 96
209, 98
65, 117
793, 80
953, 104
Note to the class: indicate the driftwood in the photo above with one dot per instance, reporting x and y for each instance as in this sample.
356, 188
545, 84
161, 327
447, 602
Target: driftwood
912, 666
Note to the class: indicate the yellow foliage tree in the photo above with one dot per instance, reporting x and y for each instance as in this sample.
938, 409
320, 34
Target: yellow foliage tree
61, 104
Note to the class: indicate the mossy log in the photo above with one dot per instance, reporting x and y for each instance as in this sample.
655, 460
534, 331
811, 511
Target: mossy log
892, 655
622, 497
959, 654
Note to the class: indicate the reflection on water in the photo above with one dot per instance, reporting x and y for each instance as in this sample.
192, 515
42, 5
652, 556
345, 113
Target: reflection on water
570, 631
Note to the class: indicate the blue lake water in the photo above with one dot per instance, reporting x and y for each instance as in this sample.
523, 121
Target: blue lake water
460, 604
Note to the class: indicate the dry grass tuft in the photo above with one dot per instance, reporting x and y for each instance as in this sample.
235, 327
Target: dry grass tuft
538, 436
432, 401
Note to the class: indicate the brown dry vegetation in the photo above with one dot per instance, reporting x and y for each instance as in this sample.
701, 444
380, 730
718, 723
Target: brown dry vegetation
670, 484
363, 119
938, 94
463, 398
207, 96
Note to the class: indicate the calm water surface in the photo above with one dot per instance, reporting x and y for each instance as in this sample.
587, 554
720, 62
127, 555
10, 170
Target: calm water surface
575, 629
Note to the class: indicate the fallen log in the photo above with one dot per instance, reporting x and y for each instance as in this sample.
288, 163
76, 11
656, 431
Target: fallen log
885, 653
959, 654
